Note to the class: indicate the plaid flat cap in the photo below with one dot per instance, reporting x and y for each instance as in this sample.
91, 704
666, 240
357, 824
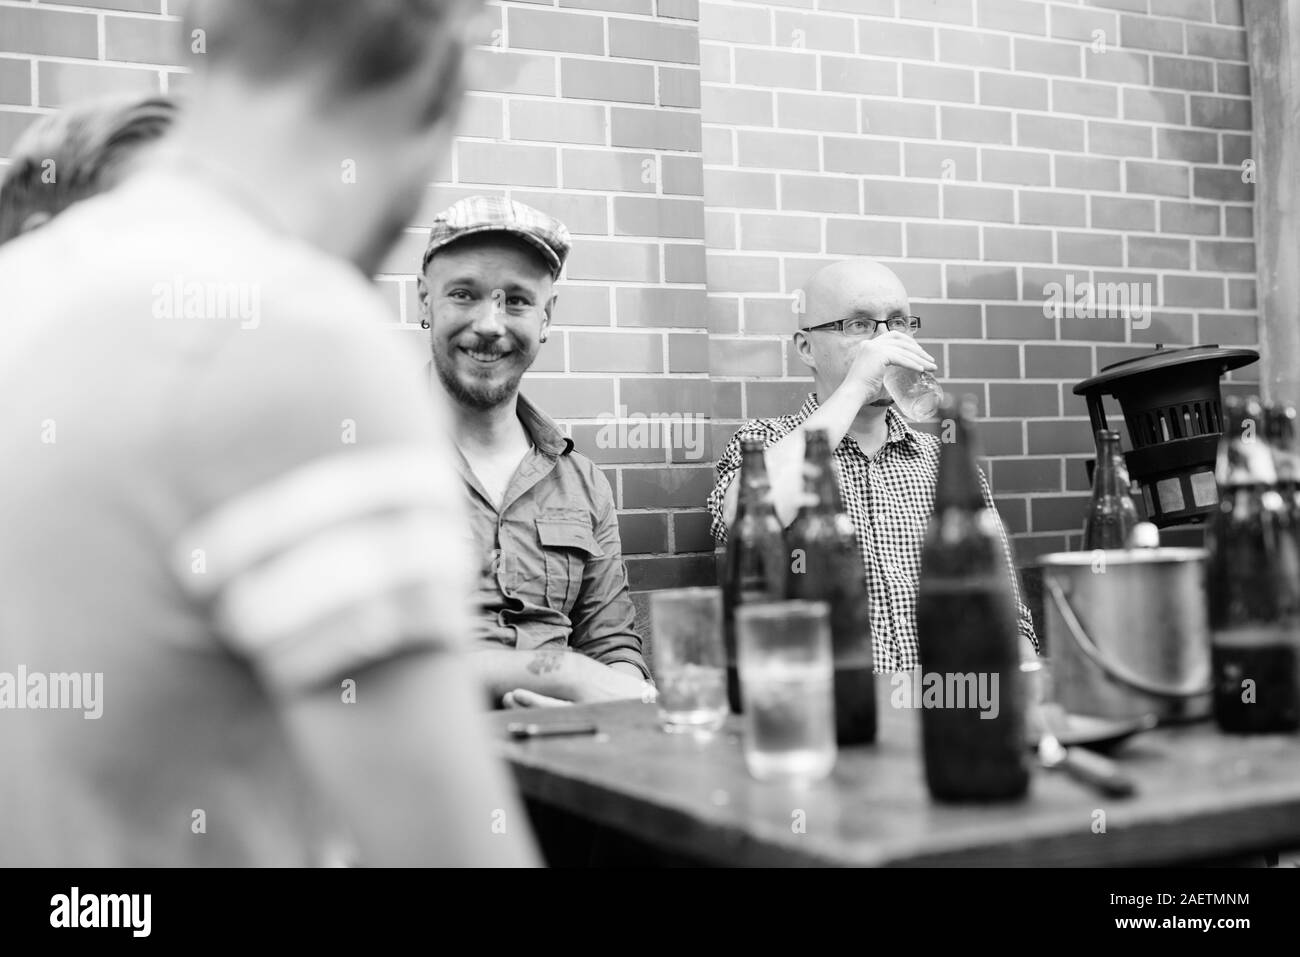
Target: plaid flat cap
487, 214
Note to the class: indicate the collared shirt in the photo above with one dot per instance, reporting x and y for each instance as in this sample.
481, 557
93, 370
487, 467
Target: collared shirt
890, 497
553, 572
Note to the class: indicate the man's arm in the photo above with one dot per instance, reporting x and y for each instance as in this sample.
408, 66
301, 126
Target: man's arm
785, 457
328, 560
835, 416
728, 467
554, 672
603, 614
401, 762
1024, 620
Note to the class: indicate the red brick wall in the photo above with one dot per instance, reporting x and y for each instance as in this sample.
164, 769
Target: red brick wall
588, 109
982, 147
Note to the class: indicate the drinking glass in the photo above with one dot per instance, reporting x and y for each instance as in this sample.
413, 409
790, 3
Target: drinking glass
689, 660
787, 684
916, 394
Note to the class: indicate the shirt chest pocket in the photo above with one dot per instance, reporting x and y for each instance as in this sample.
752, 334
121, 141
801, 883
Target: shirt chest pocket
568, 543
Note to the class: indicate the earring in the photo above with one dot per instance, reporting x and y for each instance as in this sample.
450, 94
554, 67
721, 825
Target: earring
543, 339
424, 323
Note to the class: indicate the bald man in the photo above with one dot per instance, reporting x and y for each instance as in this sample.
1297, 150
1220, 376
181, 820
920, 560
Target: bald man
856, 323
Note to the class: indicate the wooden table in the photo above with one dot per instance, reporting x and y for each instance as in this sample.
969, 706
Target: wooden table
1201, 795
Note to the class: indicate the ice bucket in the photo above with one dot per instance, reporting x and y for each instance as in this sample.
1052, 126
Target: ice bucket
1128, 632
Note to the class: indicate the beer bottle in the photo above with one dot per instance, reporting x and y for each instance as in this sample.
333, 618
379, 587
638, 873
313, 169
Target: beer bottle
1254, 659
826, 565
1111, 513
755, 557
971, 721
1280, 428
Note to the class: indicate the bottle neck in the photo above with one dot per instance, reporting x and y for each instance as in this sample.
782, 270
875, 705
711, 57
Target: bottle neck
754, 484
1111, 472
820, 482
958, 485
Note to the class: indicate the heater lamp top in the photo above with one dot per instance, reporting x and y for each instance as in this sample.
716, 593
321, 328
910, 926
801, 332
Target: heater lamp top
1215, 359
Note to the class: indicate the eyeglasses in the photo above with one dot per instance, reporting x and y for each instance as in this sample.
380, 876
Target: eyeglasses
859, 326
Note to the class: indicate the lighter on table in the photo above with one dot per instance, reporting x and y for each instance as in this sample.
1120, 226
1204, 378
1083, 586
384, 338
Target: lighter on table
527, 730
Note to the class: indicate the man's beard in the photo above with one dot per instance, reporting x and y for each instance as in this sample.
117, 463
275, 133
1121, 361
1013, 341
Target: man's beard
479, 395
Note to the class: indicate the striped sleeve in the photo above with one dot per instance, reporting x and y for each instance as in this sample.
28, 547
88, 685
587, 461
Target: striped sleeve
341, 561
323, 524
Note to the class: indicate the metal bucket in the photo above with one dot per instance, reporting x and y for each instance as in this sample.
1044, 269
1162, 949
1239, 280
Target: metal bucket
1128, 632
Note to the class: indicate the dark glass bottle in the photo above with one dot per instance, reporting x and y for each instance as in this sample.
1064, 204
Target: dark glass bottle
826, 565
1254, 658
756, 556
1111, 513
966, 626
1279, 426
1279, 430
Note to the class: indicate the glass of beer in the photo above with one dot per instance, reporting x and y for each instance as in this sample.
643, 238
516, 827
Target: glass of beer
689, 660
787, 682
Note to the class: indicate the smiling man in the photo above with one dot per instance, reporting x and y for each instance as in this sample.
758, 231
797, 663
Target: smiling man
553, 577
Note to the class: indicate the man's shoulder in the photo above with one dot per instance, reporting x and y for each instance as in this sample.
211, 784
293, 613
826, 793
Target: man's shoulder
767, 430
200, 255
190, 274
586, 469
927, 442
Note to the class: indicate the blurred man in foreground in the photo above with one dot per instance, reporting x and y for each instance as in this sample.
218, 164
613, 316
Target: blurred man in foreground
74, 154
856, 324
543, 515
230, 515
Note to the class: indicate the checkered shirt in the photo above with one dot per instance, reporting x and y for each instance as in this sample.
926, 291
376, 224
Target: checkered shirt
889, 497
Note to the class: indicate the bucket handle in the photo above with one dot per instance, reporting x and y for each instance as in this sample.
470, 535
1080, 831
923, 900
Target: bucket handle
1112, 668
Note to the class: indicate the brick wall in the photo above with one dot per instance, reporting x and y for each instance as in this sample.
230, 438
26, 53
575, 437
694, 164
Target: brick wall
982, 147
588, 109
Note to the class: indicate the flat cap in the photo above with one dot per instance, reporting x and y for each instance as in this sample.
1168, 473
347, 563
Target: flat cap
489, 214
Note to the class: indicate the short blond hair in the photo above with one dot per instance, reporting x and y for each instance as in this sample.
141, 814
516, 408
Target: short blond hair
68, 156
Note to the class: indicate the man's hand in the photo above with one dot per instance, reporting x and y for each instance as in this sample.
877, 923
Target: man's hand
627, 668
876, 354
523, 698
863, 383
598, 682
593, 682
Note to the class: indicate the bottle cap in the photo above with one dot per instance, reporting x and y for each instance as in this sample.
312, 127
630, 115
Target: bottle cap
1144, 535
